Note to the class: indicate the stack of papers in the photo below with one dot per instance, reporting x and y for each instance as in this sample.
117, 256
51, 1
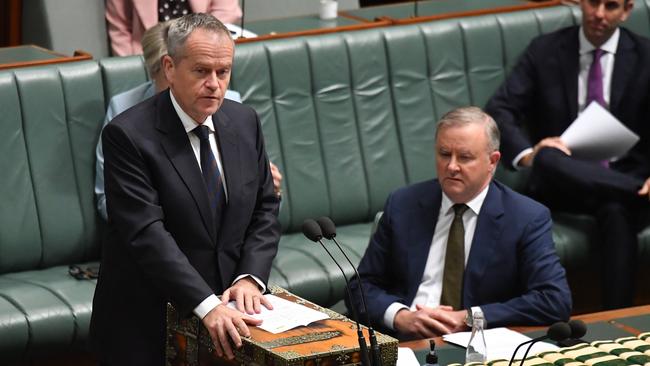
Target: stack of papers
597, 135
285, 315
501, 343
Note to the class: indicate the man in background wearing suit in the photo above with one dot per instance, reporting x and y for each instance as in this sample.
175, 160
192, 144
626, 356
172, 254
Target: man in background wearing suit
191, 206
462, 241
558, 76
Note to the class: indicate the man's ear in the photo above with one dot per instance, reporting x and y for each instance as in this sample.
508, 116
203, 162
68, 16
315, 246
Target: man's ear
628, 9
495, 156
168, 67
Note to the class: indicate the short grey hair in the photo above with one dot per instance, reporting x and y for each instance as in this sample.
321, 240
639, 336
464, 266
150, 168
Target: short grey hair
154, 47
182, 27
467, 115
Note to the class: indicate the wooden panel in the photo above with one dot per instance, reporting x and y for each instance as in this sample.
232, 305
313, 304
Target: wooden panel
31, 55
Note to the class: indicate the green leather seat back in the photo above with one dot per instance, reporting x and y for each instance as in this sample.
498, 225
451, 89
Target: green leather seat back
51, 120
120, 74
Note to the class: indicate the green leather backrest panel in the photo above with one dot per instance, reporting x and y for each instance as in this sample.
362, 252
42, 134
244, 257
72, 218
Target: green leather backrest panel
252, 78
339, 137
412, 100
20, 240
84, 105
485, 70
377, 126
120, 74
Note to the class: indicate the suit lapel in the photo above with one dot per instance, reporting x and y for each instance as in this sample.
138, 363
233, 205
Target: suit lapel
147, 11
422, 225
230, 161
179, 151
624, 64
568, 58
486, 236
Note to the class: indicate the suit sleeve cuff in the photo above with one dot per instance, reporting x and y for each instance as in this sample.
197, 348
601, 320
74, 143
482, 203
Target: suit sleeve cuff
517, 159
257, 280
206, 306
391, 311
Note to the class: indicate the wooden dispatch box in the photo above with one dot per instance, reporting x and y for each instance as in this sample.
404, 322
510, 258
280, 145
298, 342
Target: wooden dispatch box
329, 342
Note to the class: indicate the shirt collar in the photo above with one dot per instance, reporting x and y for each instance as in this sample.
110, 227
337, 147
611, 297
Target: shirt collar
474, 204
609, 46
188, 123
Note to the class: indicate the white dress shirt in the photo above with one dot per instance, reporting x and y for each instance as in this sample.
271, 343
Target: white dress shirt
586, 58
430, 288
189, 124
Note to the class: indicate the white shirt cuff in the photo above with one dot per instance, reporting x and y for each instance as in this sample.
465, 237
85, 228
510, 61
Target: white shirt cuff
515, 161
206, 306
391, 311
259, 282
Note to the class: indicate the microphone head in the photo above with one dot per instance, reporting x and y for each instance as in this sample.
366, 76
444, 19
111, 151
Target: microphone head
311, 230
578, 328
327, 226
559, 331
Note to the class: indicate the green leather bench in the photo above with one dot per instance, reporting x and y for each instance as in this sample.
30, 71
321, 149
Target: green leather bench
348, 117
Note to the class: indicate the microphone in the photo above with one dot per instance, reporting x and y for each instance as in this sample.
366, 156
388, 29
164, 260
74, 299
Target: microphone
312, 231
557, 332
578, 330
329, 232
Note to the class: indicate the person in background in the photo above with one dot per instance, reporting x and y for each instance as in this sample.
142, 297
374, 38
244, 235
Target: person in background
191, 205
449, 247
556, 78
129, 19
154, 47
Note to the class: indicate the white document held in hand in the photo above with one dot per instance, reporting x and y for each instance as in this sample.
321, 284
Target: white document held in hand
285, 315
597, 135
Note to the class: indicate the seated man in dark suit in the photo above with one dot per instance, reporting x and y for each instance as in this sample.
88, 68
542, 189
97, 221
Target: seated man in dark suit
462, 241
557, 77
191, 207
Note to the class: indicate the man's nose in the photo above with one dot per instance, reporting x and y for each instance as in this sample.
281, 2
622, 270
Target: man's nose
212, 81
600, 11
453, 166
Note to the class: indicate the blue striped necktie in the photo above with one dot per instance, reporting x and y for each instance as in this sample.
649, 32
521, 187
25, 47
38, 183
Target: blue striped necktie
210, 170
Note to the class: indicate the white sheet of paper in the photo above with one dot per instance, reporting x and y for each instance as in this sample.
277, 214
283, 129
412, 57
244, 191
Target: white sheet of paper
406, 357
285, 315
597, 135
501, 342
237, 31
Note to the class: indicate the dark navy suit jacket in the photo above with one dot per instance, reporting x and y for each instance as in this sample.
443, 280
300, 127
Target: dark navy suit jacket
513, 272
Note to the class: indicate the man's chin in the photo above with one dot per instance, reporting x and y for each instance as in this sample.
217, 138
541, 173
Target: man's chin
453, 188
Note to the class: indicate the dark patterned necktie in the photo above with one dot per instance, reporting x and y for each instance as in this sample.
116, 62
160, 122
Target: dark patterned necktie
595, 80
172, 9
211, 174
452, 278
595, 86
